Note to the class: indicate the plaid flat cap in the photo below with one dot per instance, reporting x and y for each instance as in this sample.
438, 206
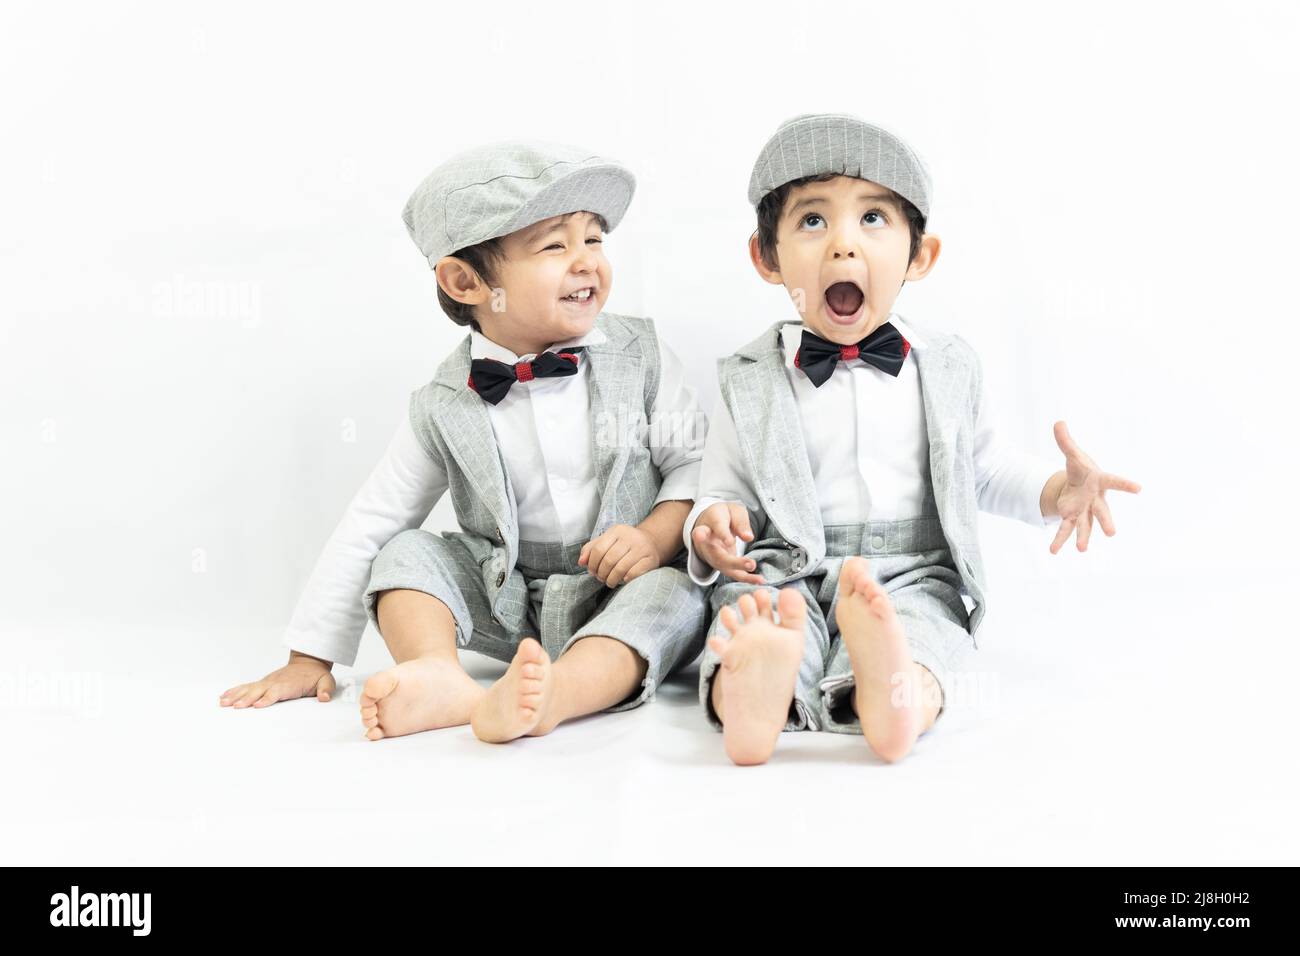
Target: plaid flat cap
816, 143
499, 188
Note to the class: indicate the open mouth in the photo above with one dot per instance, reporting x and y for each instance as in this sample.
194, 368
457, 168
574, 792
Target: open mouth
580, 296
844, 300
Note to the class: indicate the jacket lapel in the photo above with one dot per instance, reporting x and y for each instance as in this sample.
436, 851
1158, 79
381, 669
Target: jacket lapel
465, 427
617, 405
763, 407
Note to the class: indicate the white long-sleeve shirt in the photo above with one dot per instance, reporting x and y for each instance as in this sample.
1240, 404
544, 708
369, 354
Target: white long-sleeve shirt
543, 428
868, 448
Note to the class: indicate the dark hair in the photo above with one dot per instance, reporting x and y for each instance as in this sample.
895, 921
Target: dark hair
771, 206
483, 258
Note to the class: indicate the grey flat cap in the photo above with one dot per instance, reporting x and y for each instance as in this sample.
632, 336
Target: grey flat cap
816, 143
496, 189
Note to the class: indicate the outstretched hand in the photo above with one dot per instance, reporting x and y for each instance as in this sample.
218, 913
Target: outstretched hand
1084, 493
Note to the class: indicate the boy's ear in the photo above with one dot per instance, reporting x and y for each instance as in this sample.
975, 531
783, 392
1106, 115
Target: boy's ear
756, 256
461, 281
920, 267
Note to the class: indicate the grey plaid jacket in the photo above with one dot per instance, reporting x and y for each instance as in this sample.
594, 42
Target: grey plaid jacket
451, 421
754, 385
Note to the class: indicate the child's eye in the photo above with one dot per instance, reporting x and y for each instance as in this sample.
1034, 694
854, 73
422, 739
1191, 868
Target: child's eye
805, 220
878, 214
595, 239
554, 245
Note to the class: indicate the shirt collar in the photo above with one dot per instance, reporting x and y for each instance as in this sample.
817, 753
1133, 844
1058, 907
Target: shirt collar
480, 346
792, 333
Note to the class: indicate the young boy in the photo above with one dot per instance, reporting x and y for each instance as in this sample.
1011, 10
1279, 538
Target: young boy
570, 443
850, 435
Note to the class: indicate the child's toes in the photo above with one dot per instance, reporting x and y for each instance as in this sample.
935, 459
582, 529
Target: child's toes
792, 608
379, 686
748, 606
854, 573
530, 652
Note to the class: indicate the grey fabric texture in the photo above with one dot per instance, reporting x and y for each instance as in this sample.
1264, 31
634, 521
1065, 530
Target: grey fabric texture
660, 614
754, 384
499, 188
451, 422
911, 560
816, 143
792, 547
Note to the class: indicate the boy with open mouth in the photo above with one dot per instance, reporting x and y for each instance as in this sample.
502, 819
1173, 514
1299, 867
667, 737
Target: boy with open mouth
846, 463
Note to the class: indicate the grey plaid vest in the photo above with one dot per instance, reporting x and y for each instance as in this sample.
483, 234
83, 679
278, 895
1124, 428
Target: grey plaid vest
755, 386
451, 422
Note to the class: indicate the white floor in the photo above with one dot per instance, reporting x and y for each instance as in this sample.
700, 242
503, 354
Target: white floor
1152, 731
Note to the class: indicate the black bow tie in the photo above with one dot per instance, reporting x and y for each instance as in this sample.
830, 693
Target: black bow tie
885, 348
492, 379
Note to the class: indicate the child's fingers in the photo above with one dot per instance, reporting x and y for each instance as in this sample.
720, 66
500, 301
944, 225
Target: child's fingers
717, 645
596, 555
611, 558
726, 558
647, 563
738, 568
763, 600
1103, 517
727, 616
250, 694
1085, 529
739, 520
270, 696
1062, 535
618, 574
325, 687
719, 525
1119, 484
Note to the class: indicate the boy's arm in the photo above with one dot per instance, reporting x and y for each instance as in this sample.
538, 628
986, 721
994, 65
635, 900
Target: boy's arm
664, 528
723, 480
675, 440
398, 495
1007, 482
677, 429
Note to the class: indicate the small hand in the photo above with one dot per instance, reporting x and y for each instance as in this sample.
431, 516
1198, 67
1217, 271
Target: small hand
714, 537
303, 676
621, 554
1084, 493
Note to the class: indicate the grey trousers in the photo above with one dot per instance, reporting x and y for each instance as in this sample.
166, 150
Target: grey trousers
911, 560
660, 615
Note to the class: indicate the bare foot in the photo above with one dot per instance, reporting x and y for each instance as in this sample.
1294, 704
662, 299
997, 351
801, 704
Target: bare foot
882, 663
754, 684
516, 704
420, 694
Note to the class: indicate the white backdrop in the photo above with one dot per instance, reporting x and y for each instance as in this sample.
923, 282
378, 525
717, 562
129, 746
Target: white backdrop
213, 315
